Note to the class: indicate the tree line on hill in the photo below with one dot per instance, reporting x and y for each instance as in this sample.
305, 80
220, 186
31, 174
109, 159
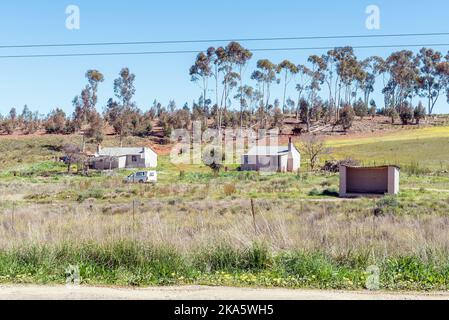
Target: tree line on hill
332, 88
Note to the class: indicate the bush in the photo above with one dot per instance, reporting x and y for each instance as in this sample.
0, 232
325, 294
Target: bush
361, 109
392, 113
347, 117
373, 108
387, 204
91, 194
419, 113
405, 113
334, 166
229, 189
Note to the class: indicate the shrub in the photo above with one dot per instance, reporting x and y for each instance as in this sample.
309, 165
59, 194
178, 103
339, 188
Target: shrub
419, 112
405, 113
91, 194
373, 108
347, 117
392, 113
314, 192
229, 189
387, 204
361, 109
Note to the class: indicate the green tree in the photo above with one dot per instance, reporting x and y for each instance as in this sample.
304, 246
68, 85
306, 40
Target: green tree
431, 80
201, 71
120, 115
240, 56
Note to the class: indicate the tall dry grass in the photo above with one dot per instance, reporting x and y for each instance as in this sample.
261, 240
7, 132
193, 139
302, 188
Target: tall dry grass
338, 229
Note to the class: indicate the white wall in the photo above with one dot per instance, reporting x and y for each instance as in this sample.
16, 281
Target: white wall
296, 159
150, 158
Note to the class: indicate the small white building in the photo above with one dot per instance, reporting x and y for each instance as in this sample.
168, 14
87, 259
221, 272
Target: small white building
121, 158
272, 159
369, 181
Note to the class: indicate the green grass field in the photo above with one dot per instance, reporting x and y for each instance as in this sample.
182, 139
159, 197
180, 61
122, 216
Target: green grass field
196, 228
429, 147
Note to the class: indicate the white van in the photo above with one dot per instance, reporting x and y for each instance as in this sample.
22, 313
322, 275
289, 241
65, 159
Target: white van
142, 177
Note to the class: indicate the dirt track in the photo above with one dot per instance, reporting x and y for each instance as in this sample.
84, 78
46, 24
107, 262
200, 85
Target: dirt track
199, 293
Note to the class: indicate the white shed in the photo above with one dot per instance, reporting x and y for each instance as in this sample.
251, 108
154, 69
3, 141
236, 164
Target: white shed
272, 159
121, 158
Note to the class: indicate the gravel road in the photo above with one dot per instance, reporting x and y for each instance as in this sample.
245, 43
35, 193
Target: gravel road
31, 292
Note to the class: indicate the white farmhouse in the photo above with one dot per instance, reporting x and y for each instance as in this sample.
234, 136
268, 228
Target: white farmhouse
272, 159
121, 158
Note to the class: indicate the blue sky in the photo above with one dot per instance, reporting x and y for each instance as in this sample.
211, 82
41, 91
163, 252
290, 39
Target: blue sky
46, 83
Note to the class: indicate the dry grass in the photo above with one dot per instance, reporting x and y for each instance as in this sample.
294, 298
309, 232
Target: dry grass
337, 229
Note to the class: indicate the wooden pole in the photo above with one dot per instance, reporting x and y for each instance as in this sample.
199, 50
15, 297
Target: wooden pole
12, 216
253, 212
134, 218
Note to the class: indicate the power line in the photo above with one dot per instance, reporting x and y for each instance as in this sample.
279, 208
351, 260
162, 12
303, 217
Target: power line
196, 51
398, 35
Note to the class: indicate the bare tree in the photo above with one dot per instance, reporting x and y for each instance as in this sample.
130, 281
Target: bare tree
73, 156
313, 147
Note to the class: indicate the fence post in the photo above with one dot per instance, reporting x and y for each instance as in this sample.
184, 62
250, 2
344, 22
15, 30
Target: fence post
13, 217
253, 212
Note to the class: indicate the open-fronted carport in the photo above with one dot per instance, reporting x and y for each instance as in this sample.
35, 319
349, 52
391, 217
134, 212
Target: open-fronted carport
366, 181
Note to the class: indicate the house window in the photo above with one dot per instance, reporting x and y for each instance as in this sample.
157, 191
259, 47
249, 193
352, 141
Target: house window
134, 159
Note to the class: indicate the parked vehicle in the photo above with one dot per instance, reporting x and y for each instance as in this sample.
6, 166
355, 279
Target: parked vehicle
142, 177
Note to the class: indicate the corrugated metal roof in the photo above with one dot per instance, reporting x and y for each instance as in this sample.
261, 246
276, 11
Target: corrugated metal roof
120, 152
267, 151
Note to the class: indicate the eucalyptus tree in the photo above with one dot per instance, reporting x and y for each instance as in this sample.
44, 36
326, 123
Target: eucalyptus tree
290, 70
201, 71
224, 60
94, 77
404, 76
216, 56
343, 62
366, 83
258, 76
303, 80
121, 115
266, 74
381, 69
239, 56
316, 77
351, 72
124, 88
443, 69
431, 79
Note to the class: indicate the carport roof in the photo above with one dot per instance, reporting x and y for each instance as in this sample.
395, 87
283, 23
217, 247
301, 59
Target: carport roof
373, 167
